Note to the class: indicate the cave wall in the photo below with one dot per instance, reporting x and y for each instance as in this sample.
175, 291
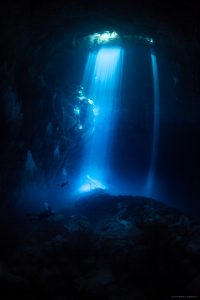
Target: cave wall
36, 78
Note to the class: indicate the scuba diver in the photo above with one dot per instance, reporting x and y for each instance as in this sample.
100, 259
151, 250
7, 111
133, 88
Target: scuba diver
62, 184
84, 109
45, 214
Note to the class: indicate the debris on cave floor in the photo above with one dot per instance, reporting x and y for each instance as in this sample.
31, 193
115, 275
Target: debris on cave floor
110, 247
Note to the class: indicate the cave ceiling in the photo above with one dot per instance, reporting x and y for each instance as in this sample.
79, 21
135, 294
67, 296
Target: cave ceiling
33, 32
30, 27
165, 20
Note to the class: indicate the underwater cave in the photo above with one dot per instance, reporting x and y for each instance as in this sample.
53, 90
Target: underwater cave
99, 157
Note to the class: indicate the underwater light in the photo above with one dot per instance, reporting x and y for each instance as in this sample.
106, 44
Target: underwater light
91, 185
149, 40
77, 111
106, 36
103, 38
101, 82
96, 111
90, 101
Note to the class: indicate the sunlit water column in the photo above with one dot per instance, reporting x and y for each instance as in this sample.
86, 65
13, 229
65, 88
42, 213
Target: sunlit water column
101, 82
155, 137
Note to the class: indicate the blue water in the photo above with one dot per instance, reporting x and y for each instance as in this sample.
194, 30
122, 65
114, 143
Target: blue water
101, 82
155, 136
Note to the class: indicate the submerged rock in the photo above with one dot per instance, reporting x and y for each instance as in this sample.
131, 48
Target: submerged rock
115, 246
193, 246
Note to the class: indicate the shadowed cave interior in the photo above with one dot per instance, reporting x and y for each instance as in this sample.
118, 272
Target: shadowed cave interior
99, 156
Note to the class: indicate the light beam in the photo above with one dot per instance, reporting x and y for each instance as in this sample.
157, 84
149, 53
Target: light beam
101, 82
156, 112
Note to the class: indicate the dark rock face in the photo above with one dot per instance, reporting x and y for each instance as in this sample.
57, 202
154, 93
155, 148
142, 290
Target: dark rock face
105, 247
111, 247
34, 91
36, 115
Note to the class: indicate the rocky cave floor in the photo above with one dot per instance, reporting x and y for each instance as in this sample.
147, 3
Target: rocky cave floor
105, 247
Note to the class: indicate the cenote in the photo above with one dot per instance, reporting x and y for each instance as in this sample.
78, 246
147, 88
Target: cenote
99, 156
109, 117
